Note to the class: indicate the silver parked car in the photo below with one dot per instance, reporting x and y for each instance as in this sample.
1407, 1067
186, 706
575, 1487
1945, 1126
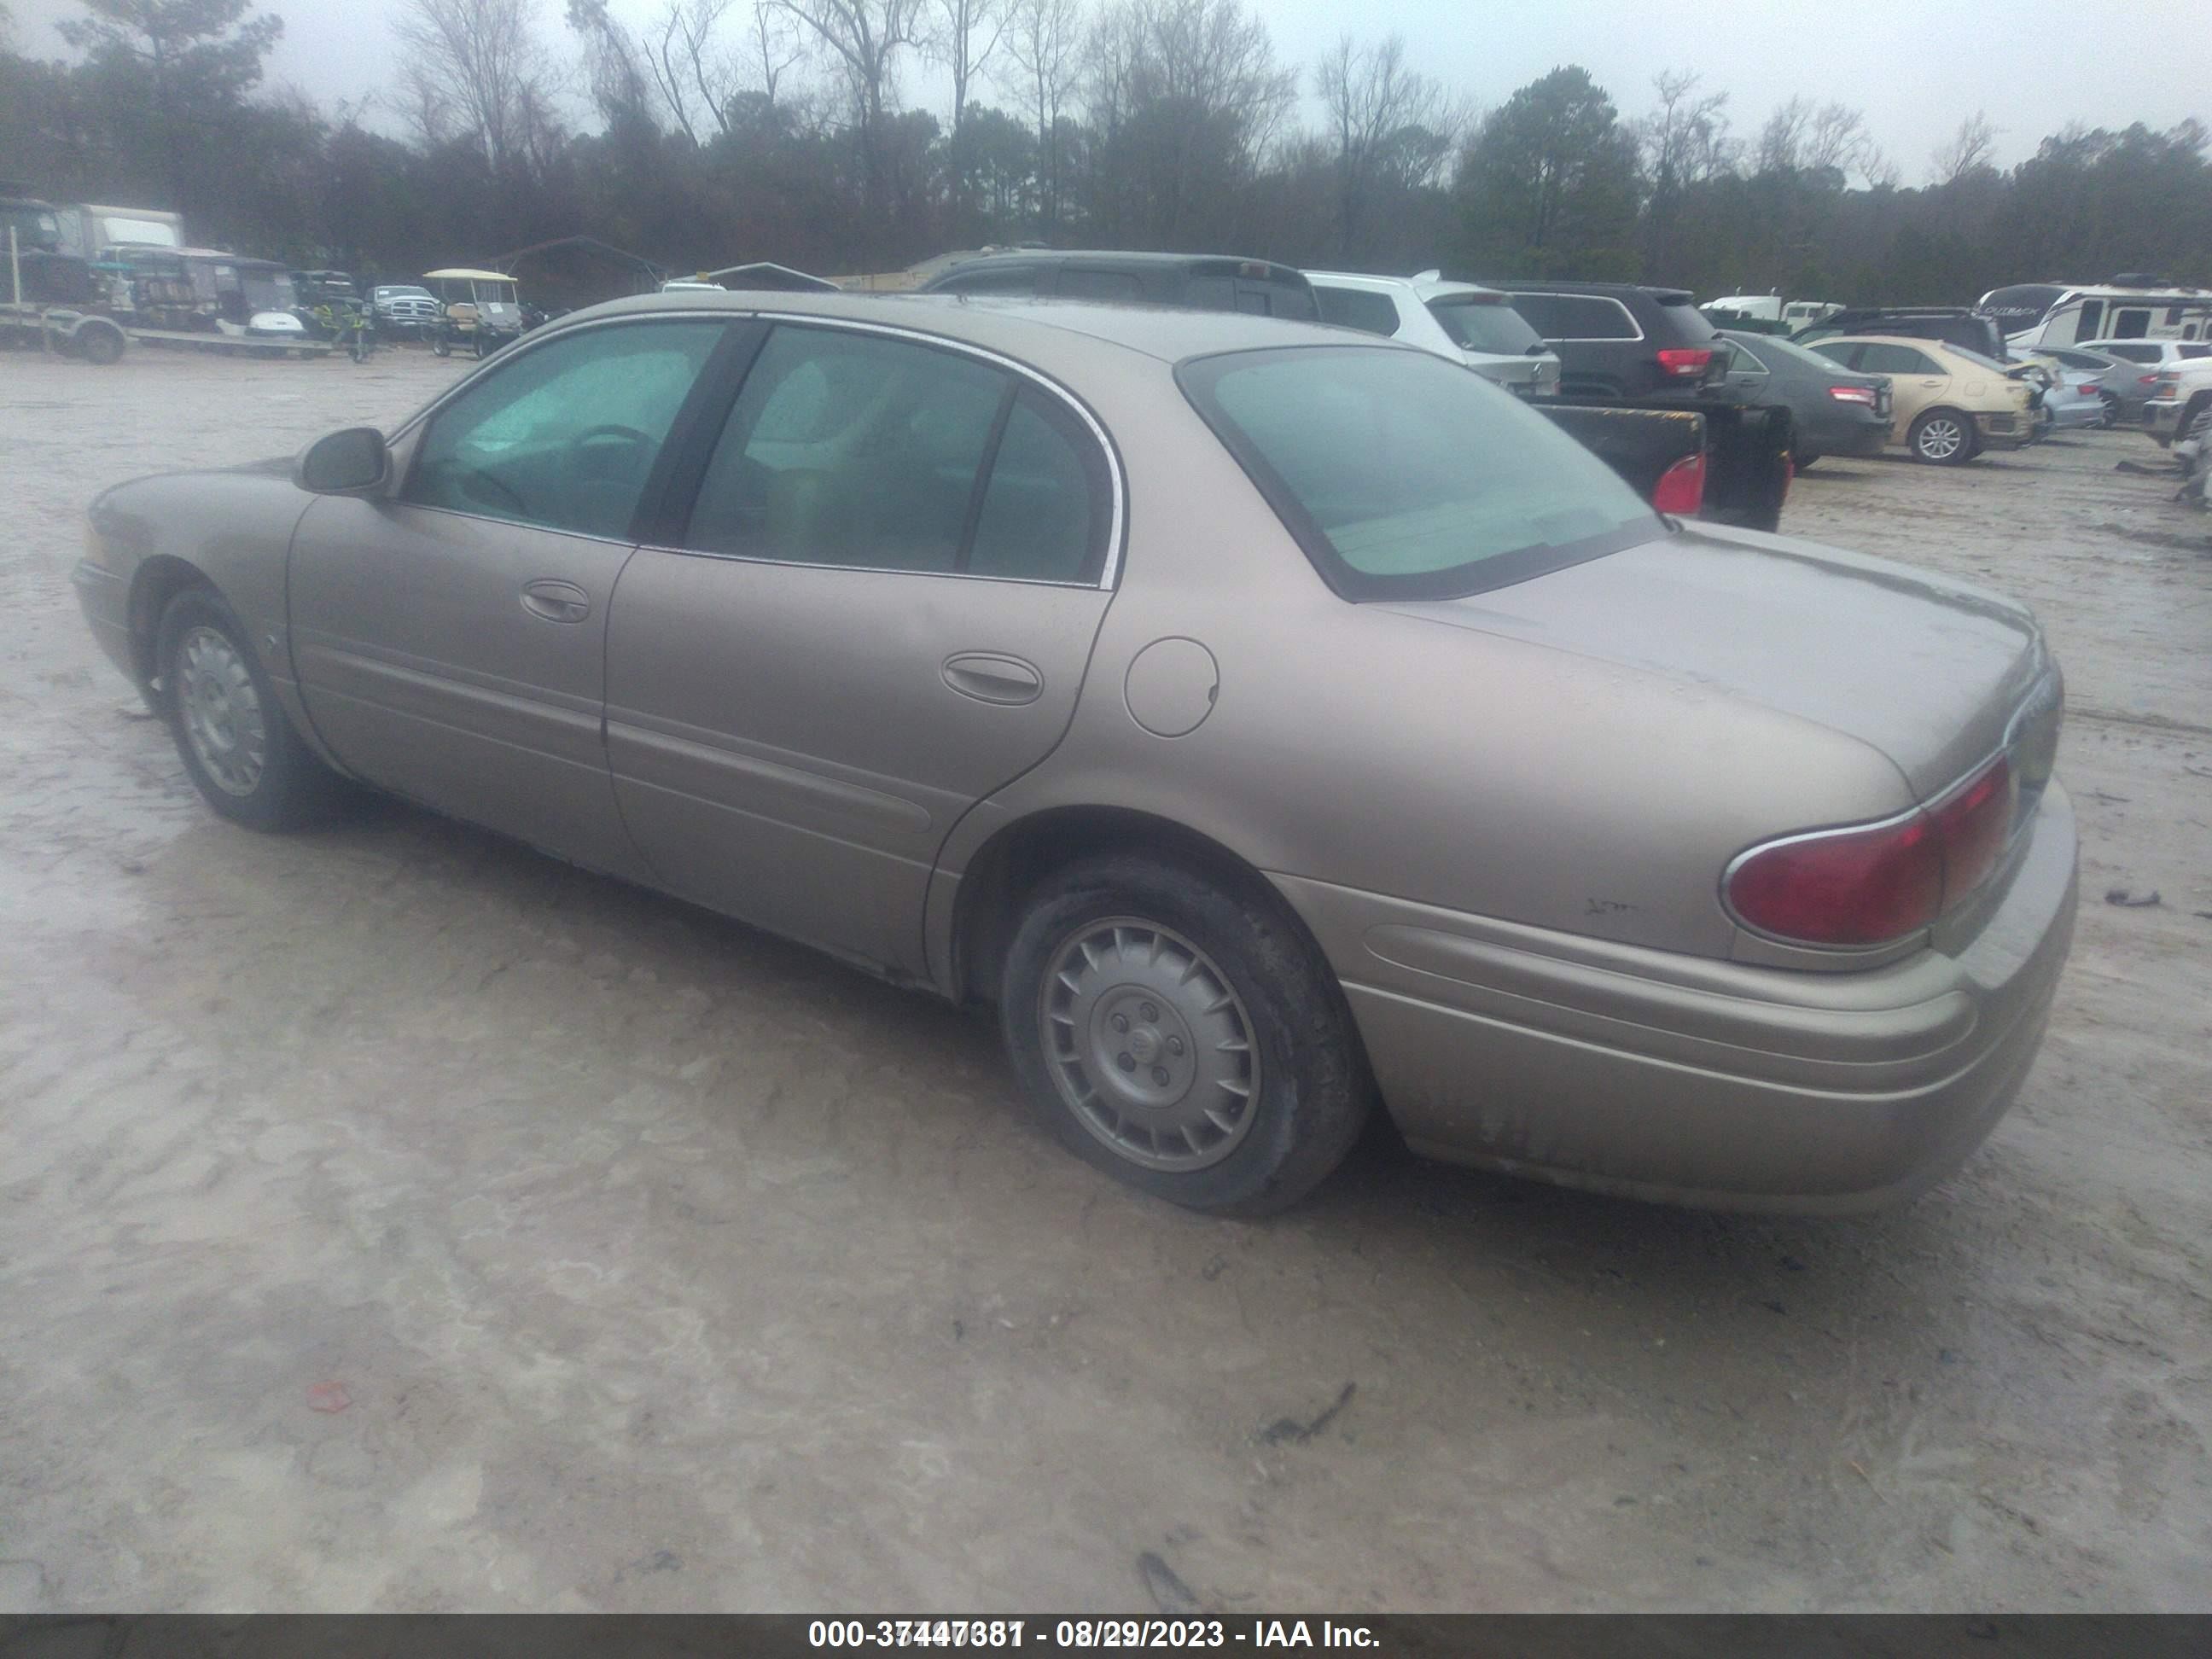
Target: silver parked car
1267, 721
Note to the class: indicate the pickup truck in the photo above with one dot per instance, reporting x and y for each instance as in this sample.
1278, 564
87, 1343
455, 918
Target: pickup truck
2180, 402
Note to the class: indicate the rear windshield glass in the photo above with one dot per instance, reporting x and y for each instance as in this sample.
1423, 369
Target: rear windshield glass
1774, 352
1479, 324
1405, 476
1682, 314
2195, 349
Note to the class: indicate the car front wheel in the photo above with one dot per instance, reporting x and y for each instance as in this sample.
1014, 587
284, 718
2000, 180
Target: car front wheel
1183, 1035
236, 744
1942, 437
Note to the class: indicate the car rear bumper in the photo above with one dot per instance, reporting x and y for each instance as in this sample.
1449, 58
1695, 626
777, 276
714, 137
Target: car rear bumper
2161, 418
1632, 1070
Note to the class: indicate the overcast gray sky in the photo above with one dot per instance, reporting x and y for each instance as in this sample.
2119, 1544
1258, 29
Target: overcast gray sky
1915, 69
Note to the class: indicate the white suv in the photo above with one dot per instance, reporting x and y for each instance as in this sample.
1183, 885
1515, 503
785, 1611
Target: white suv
1477, 326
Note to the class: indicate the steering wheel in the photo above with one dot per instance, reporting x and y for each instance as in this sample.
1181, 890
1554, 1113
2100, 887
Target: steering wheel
627, 433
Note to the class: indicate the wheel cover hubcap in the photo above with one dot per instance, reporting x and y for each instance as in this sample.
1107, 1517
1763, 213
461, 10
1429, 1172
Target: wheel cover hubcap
1149, 1045
1941, 438
221, 712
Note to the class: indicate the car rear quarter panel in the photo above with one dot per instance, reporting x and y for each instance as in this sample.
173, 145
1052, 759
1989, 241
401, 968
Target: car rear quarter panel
1353, 745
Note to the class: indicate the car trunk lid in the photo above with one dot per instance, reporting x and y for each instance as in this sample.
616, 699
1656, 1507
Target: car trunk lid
1936, 675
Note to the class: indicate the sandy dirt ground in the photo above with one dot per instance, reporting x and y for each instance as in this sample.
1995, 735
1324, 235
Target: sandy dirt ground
656, 1264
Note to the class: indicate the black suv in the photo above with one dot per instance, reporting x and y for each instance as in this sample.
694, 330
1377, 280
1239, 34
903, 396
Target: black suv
1958, 325
1621, 339
1189, 281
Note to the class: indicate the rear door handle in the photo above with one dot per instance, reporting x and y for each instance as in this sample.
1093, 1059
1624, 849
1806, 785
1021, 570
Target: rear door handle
988, 676
555, 601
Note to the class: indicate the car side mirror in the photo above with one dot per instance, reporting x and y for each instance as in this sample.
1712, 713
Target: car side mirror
348, 463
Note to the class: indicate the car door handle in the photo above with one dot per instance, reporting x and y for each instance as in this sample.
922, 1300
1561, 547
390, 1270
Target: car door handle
557, 601
988, 676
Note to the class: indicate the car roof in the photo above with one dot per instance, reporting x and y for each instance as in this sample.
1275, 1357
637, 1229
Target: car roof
1005, 324
459, 273
1422, 287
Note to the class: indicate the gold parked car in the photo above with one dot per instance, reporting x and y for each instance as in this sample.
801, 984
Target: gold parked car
1947, 404
1267, 720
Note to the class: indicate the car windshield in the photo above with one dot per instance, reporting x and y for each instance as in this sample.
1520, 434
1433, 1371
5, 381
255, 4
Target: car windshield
2195, 349
405, 292
1479, 323
270, 290
1404, 476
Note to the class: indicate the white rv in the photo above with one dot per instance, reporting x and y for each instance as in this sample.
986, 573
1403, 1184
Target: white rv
2125, 309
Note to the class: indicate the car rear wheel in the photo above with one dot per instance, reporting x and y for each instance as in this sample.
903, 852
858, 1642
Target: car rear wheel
1183, 1036
238, 748
2109, 414
1801, 462
1942, 437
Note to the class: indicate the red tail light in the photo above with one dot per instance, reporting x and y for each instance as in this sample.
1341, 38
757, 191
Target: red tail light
1852, 394
2148, 380
1878, 882
1681, 489
1685, 363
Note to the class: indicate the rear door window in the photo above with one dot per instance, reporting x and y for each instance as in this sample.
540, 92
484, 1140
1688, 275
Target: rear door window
1876, 358
1846, 352
1358, 307
1106, 287
883, 454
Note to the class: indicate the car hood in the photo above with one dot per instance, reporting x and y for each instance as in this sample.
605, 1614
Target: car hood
1927, 672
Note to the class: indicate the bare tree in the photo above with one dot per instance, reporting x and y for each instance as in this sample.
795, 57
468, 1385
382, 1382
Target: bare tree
613, 66
963, 36
695, 75
773, 48
476, 70
1802, 137
1185, 97
1044, 45
1383, 117
865, 38
1685, 140
1968, 148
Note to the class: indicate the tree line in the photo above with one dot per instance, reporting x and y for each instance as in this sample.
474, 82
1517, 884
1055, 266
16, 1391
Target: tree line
726, 131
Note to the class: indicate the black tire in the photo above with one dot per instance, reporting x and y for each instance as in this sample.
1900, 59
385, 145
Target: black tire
1801, 462
102, 346
1306, 1088
291, 788
2111, 415
1942, 437
438, 344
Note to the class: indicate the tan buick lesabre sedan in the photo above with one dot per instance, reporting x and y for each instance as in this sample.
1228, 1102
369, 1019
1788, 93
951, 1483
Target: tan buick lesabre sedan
1269, 720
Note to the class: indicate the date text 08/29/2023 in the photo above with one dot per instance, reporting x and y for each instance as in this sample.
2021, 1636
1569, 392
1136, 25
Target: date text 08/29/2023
1089, 1633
